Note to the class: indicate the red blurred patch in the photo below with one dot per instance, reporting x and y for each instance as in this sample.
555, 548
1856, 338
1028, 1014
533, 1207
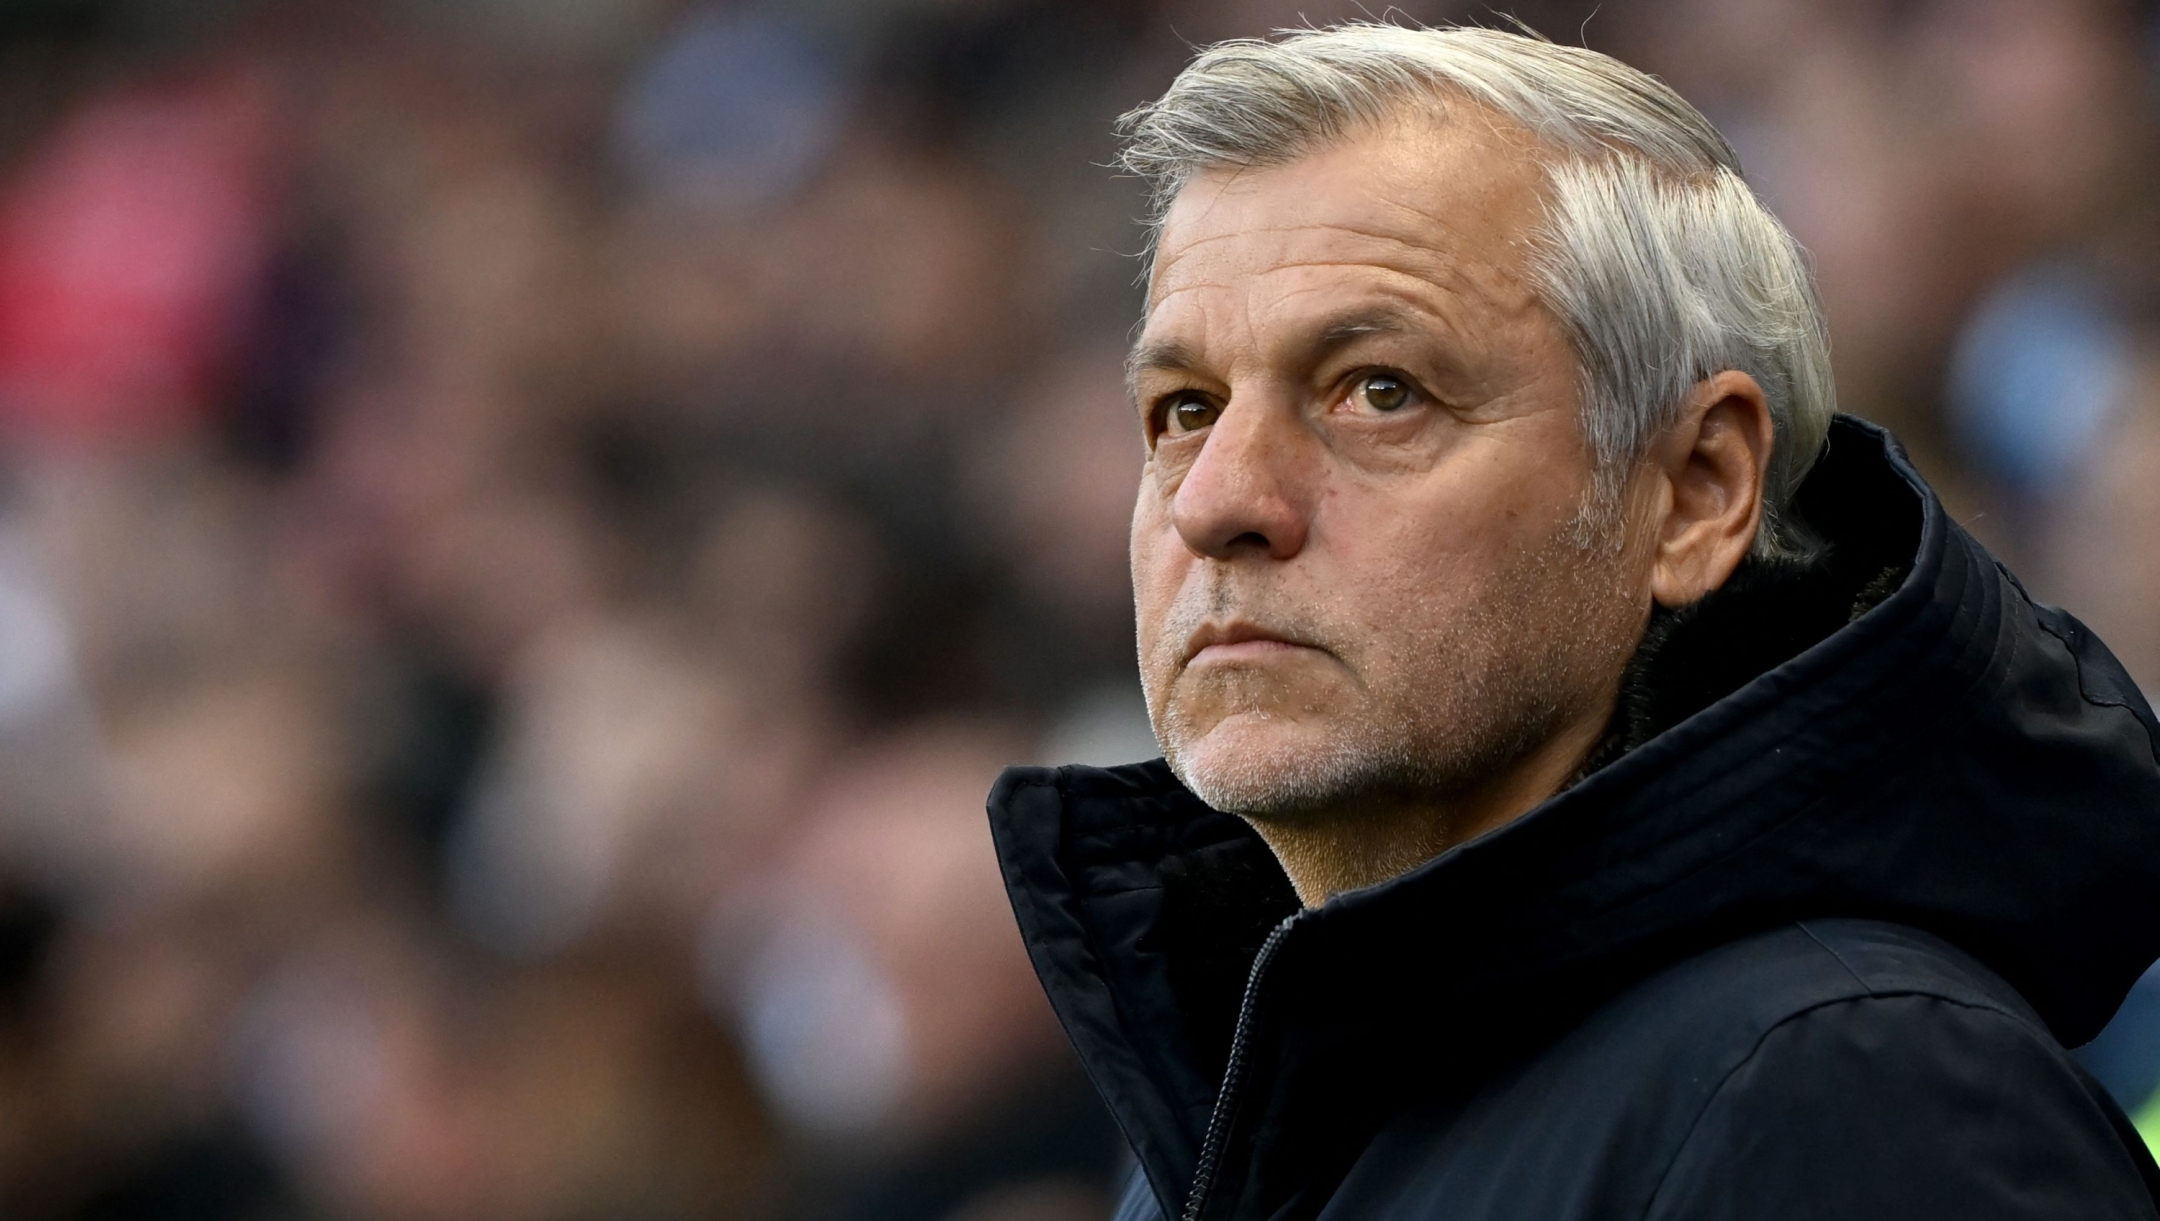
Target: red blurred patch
131, 246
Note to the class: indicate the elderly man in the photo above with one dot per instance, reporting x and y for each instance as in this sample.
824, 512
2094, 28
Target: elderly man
1597, 781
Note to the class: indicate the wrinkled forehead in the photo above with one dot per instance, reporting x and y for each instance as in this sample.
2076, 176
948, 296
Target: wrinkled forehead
1453, 204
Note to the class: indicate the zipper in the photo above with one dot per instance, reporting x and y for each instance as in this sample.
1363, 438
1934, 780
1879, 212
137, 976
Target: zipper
1226, 1100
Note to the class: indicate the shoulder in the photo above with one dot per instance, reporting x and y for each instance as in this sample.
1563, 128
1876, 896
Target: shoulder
1751, 985
1668, 1042
1665, 1043
1763, 1078
1871, 1070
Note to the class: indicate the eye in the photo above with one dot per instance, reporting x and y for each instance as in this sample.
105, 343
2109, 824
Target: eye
1382, 392
1188, 412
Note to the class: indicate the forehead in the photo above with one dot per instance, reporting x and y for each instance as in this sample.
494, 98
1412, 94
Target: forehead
1419, 205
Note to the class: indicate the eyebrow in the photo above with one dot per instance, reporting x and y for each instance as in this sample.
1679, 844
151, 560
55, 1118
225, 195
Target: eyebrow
1170, 355
1346, 331
1164, 355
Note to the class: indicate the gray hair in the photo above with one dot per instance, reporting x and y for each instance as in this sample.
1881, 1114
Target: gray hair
1661, 264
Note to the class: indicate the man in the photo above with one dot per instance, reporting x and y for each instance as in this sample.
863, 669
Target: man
1598, 782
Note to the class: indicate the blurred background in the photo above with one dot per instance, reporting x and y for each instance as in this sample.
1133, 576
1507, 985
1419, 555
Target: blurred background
528, 527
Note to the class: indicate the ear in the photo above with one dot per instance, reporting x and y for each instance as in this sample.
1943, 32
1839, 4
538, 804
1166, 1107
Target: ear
1707, 475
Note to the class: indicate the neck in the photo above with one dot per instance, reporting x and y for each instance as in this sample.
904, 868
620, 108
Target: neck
1326, 853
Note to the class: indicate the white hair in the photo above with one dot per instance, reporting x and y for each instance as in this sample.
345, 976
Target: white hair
1661, 264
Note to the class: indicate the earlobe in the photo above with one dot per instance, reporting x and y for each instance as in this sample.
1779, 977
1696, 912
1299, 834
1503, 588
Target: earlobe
1713, 463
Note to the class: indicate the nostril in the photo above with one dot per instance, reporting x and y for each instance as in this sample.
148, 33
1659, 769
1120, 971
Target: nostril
1251, 538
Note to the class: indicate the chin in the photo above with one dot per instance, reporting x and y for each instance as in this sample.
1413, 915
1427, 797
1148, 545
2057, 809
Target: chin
1267, 765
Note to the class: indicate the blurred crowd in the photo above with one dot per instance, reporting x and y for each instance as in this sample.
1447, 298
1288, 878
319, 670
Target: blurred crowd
528, 528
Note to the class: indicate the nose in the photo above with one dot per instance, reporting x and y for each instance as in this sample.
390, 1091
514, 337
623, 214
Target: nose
1248, 492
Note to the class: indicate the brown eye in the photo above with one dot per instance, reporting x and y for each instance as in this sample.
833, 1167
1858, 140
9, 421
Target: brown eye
1189, 413
1383, 392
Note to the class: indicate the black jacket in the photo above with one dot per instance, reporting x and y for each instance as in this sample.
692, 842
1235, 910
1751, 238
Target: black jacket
1874, 838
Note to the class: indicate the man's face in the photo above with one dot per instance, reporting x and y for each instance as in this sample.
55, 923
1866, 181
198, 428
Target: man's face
1362, 563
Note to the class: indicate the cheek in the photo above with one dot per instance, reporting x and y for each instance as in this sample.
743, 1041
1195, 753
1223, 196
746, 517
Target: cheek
1159, 562
1396, 563
1494, 491
1387, 550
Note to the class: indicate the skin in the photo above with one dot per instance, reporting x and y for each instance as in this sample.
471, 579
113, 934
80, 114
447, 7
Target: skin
1375, 617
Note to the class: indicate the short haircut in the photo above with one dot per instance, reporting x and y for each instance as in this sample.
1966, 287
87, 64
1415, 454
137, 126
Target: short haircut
1661, 264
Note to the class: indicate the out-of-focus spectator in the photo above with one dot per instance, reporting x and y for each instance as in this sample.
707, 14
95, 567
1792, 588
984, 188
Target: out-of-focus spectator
2103, 529
885, 1003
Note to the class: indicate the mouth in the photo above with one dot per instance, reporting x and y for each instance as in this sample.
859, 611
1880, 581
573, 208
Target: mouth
1222, 643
